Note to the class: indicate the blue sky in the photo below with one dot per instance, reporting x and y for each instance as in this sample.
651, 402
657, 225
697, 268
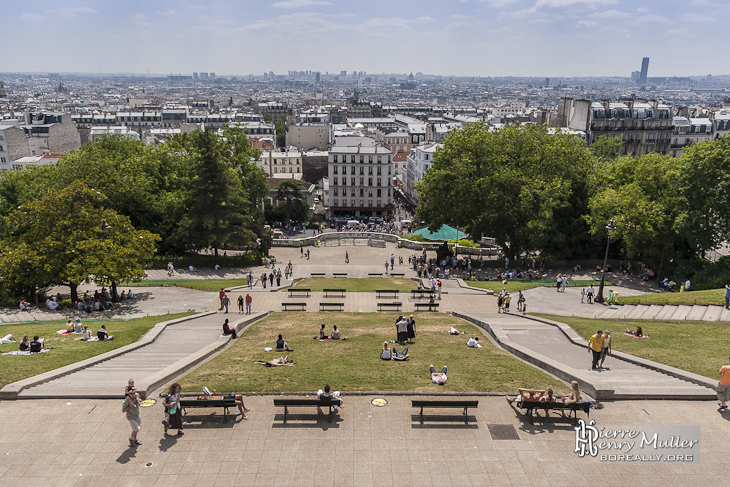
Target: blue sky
460, 37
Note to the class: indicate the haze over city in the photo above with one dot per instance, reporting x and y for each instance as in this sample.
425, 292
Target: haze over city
450, 37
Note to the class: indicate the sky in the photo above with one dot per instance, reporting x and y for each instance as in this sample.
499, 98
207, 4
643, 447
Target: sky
446, 37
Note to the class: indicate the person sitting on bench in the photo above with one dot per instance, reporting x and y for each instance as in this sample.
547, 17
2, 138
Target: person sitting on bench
281, 345
574, 395
325, 394
102, 334
549, 397
438, 377
238, 399
227, 330
528, 395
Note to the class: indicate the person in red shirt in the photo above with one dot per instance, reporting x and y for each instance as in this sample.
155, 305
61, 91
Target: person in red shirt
249, 300
723, 386
221, 295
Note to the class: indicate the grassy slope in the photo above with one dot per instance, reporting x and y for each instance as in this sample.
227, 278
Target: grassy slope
515, 286
696, 347
357, 285
67, 349
210, 285
708, 296
355, 364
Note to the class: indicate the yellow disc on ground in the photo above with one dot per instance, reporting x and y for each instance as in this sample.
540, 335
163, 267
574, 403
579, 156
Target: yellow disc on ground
379, 402
147, 403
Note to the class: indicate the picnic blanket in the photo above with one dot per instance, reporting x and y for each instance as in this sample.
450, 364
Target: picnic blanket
634, 336
64, 332
18, 352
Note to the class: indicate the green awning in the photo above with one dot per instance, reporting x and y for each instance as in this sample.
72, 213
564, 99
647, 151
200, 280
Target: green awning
445, 233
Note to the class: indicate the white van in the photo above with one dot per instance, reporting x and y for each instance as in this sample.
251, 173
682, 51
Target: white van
354, 223
405, 223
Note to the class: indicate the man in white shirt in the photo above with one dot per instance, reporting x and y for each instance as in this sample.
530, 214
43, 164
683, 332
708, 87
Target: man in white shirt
473, 342
438, 377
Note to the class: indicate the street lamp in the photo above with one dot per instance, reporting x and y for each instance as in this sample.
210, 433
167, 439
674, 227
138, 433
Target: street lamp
105, 226
610, 228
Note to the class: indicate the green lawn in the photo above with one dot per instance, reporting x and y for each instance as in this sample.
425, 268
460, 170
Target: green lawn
708, 296
515, 285
67, 349
695, 347
211, 285
355, 364
357, 285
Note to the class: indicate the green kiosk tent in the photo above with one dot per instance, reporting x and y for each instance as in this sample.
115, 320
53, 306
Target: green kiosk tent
445, 233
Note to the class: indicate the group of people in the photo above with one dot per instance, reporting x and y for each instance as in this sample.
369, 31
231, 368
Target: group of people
25, 345
101, 301
405, 329
532, 395
600, 345
561, 282
335, 335
504, 299
77, 327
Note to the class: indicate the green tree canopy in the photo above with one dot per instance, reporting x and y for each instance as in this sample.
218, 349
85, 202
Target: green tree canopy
516, 184
58, 239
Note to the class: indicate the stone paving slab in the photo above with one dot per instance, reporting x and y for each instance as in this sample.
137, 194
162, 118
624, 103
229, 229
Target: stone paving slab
84, 443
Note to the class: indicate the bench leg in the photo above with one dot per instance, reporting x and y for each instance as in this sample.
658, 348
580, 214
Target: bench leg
329, 418
466, 415
286, 410
225, 414
421, 414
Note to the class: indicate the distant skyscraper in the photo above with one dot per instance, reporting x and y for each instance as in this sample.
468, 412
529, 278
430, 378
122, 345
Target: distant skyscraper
318, 76
644, 70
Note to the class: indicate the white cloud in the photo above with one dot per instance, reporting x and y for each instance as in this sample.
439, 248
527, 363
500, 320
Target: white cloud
693, 17
31, 17
680, 33
299, 3
170, 13
498, 3
569, 3
141, 20
72, 11
586, 23
608, 14
652, 19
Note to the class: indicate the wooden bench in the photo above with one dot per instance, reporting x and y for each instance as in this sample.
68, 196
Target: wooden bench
301, 306
531, 408
339, 274
317, 274
208, 403
421, 292
339, 292
299, 402
299, 291
382, 293
430, 306
331, 306
393, 306
375, 274
397, 274
465, 405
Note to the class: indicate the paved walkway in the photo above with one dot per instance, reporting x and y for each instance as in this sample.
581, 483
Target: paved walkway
175, 343
619, 379
84, 443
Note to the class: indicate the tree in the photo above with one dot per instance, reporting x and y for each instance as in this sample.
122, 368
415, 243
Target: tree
704, 195
281, 131
218, 211
59, 239
288, 191
512, 183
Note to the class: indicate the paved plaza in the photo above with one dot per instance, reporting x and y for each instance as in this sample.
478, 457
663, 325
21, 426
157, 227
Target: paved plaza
69, 440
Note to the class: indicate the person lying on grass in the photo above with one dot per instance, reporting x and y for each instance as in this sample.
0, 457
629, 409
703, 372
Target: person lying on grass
438, 377
277, 362
637, 333
238, 399
454, 331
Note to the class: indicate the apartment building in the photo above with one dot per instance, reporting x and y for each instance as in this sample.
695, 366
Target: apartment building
360, 181
688, 131
281, 163
418, 162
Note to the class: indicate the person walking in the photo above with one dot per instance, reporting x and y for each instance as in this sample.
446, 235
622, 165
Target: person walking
250, 279
595, 345
224, 302
438, 285
727, 296
221, 295
240, 304
386, 267
347, 257
606, 347
278, 278
565, 282
582, 295
263, 279
130, 406
173, 402
271, 278
590, 294
249, 300
723, 386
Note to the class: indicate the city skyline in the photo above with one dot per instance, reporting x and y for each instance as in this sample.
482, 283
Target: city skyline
558, 38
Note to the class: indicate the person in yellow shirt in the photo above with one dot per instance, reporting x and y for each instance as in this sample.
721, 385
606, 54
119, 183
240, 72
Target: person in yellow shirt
723, 387
595, 345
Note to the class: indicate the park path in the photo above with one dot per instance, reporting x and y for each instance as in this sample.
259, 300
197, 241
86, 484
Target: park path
172, 348
545, 344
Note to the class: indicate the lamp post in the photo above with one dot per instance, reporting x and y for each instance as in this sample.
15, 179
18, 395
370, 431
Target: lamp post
610, 228
105, 227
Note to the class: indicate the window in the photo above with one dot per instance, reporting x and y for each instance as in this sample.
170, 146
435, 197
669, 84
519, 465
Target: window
362, 193
336, 202
352, 160
334, 158
334, 191
362, 170
362, 159
362, 181
352, 193
380, 159
370, 181
334, 170
335, 181
370, 159
370, 202
2, 159
352, 171
379, 180
370, 171
362, 202
379, 205
352, 202
379, 171
352, 182
379, 193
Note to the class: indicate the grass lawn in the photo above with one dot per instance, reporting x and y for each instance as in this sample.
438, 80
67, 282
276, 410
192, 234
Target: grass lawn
357, 285
67, 349
515, 285
708, 296
355, 364
695, 347
212, 285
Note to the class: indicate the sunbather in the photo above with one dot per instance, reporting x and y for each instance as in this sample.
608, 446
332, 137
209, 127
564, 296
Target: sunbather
7, 339
277, 362
529, 395
238, 399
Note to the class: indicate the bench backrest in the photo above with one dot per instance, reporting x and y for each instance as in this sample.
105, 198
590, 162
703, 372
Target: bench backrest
444, 404
334, 290
210, 403
550, 405
306, 402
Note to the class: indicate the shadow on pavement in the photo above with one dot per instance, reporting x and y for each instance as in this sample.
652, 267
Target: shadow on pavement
127, 455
